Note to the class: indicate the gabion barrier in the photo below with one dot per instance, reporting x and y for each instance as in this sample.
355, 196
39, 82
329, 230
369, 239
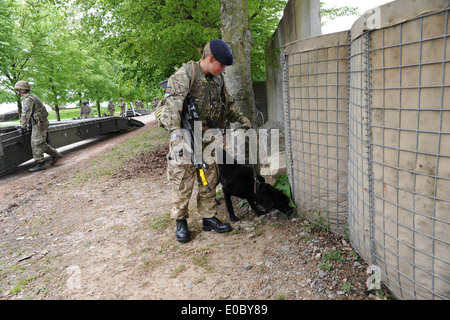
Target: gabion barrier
368, 138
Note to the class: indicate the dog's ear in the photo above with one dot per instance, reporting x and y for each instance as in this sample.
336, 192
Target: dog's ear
282, 202
260, 179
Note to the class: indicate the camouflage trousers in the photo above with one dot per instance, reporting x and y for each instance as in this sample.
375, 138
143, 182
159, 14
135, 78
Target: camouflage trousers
39, 144
182, 178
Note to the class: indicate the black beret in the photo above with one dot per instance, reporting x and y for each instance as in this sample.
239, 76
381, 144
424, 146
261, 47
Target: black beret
221, 51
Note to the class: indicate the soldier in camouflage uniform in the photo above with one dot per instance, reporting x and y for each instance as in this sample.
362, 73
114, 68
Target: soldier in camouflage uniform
111, 108
139, 104
86, 110
155, 103
122, 107
35, 114
204, 81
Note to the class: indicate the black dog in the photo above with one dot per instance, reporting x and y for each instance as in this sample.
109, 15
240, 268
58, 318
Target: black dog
239, 180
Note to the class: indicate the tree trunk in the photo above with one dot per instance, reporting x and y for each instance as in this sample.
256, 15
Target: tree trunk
55, 95
19, 107
236, 33
58, 117
98, 109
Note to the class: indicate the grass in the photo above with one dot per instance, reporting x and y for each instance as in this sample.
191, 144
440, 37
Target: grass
66, 114
177, 271
328, 258
112, 162
20, 284
203, 262
161, 222
346, 287
320, 222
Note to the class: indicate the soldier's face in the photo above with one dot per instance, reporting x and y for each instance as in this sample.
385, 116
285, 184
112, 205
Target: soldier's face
216, 67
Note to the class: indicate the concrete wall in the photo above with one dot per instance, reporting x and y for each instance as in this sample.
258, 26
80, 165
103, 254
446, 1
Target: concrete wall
260, 93
301, 19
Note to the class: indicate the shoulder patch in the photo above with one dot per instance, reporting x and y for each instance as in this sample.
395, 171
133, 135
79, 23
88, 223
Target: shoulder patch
168, 90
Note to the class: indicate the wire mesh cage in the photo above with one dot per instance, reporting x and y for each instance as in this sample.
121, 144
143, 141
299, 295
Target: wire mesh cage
369, 139
410, 92
318, 97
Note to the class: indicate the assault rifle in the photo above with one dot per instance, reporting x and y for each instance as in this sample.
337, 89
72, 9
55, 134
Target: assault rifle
190, 113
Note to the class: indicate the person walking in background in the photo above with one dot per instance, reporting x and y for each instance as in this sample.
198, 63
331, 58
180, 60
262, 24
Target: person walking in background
122, 107
111, 108
86, 110
35, 115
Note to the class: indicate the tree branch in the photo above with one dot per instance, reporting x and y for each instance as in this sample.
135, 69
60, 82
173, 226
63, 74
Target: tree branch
257, 12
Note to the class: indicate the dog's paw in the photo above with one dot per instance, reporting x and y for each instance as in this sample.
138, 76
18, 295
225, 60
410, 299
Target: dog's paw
234, 218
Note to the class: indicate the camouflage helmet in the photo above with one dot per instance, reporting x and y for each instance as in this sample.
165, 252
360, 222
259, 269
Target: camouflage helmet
84, 101
22, 85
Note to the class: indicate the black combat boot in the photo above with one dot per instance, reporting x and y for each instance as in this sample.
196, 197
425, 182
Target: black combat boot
39, 166
216, 225
55, 158
182, 233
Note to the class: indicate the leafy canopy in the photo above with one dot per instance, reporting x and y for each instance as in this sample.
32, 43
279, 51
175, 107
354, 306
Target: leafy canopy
103, 49
154, 36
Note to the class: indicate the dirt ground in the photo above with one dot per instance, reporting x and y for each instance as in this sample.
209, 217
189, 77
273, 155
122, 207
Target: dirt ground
79, 231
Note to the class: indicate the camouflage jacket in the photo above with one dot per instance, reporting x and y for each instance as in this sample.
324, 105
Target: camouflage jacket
33, 111
215, 106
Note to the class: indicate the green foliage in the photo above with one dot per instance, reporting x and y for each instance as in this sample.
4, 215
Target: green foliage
103, 49
111, 163
336, 12
282, 184
14, 53
346, 287
243, 203
320, 222
40, 43
153, 37
264, 16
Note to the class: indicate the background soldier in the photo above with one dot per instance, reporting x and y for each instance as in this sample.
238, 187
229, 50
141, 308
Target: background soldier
35, 114
139, 104
86, 110
111, 108
155, 103
204, 81
122, 107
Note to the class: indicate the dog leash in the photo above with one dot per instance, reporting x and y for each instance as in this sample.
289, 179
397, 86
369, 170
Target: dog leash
256, 185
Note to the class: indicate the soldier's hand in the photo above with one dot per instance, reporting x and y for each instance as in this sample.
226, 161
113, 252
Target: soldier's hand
246, 124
